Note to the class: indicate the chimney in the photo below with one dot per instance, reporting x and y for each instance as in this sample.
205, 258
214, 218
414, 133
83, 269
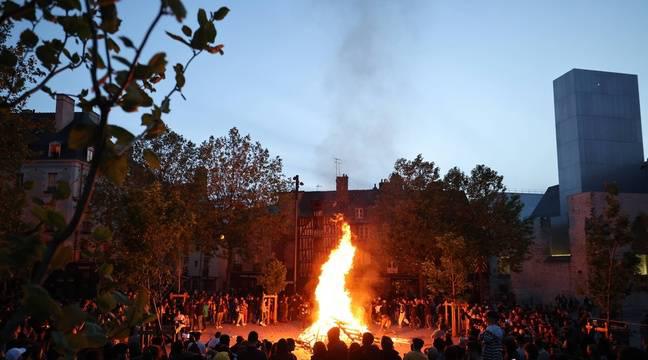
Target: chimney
342, 188
64, 111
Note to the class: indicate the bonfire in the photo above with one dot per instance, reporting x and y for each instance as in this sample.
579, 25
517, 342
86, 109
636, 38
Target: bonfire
334, 303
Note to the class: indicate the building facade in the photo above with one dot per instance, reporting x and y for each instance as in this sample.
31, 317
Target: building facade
599, 141
55, 161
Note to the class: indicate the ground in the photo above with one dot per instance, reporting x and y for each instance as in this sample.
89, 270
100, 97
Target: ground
273, 333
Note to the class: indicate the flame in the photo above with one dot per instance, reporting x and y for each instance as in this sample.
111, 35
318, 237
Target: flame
333, 298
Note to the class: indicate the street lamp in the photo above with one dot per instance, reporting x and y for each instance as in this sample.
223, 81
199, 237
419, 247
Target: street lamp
297, 184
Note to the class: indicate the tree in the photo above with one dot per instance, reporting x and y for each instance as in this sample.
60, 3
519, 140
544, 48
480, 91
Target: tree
88, 40
417, 208
16, 132
243, 182
491, 222
273, 279
448, 274
611, 258
406, 207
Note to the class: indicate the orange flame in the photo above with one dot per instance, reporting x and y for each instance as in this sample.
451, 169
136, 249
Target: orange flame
333, 298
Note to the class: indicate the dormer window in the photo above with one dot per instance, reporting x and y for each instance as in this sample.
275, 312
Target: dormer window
89, 154
359, 213
54, 150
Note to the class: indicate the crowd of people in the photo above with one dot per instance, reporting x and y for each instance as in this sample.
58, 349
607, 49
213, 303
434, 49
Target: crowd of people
562, 330
197, 311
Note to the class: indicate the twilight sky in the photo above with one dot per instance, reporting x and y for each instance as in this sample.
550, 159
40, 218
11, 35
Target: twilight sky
462, 82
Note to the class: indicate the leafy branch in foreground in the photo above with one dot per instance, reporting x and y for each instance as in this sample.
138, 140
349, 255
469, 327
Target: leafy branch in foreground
89, 38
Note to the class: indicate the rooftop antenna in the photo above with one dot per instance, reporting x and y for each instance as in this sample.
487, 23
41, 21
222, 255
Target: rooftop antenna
338, 162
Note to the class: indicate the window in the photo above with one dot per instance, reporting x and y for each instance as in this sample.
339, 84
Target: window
642, 267
51, 181
89, 154
54, 150
359, 213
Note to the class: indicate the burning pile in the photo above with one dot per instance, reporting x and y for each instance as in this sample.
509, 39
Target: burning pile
333, 298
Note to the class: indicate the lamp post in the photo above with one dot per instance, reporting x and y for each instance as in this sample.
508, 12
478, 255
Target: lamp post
297, 184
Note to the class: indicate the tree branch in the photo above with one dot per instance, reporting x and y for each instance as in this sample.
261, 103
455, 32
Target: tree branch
138, 53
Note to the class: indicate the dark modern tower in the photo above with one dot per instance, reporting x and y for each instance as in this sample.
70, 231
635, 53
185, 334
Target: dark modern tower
598, 132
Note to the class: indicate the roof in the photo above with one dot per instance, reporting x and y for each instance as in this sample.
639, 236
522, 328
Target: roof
549, 205
41, 145
327, 201
529, 201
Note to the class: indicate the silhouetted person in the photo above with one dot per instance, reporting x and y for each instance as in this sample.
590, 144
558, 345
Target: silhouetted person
416, 353
354, 351
250, 349
388, 351
281, 351
319, 351
368, 350
336, 348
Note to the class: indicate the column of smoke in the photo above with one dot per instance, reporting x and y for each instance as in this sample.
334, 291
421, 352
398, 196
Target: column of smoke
364, 76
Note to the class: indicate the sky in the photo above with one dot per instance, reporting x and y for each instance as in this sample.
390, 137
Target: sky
368, 82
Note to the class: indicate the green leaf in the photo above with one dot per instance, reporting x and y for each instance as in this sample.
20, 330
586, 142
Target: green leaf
134, 98
71, 316
62, 191
111, 89
151, 159
39, 304
95, 335
38, 201
165, 107
55, 219
106, 302
109, 20
47, 53
29, 38
112, 45
221, 13
101, 233
178, 38
178, 9
76, 25
157, 63
123, 136
114, 167
81, 135
63, 256
186, 30
105, 270
127, 42
179, 77
202, 17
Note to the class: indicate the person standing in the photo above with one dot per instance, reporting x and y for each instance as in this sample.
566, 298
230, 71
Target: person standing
336, 348
402, 311
491, 338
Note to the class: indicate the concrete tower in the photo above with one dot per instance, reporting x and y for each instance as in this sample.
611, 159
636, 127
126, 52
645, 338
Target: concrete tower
598, 132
